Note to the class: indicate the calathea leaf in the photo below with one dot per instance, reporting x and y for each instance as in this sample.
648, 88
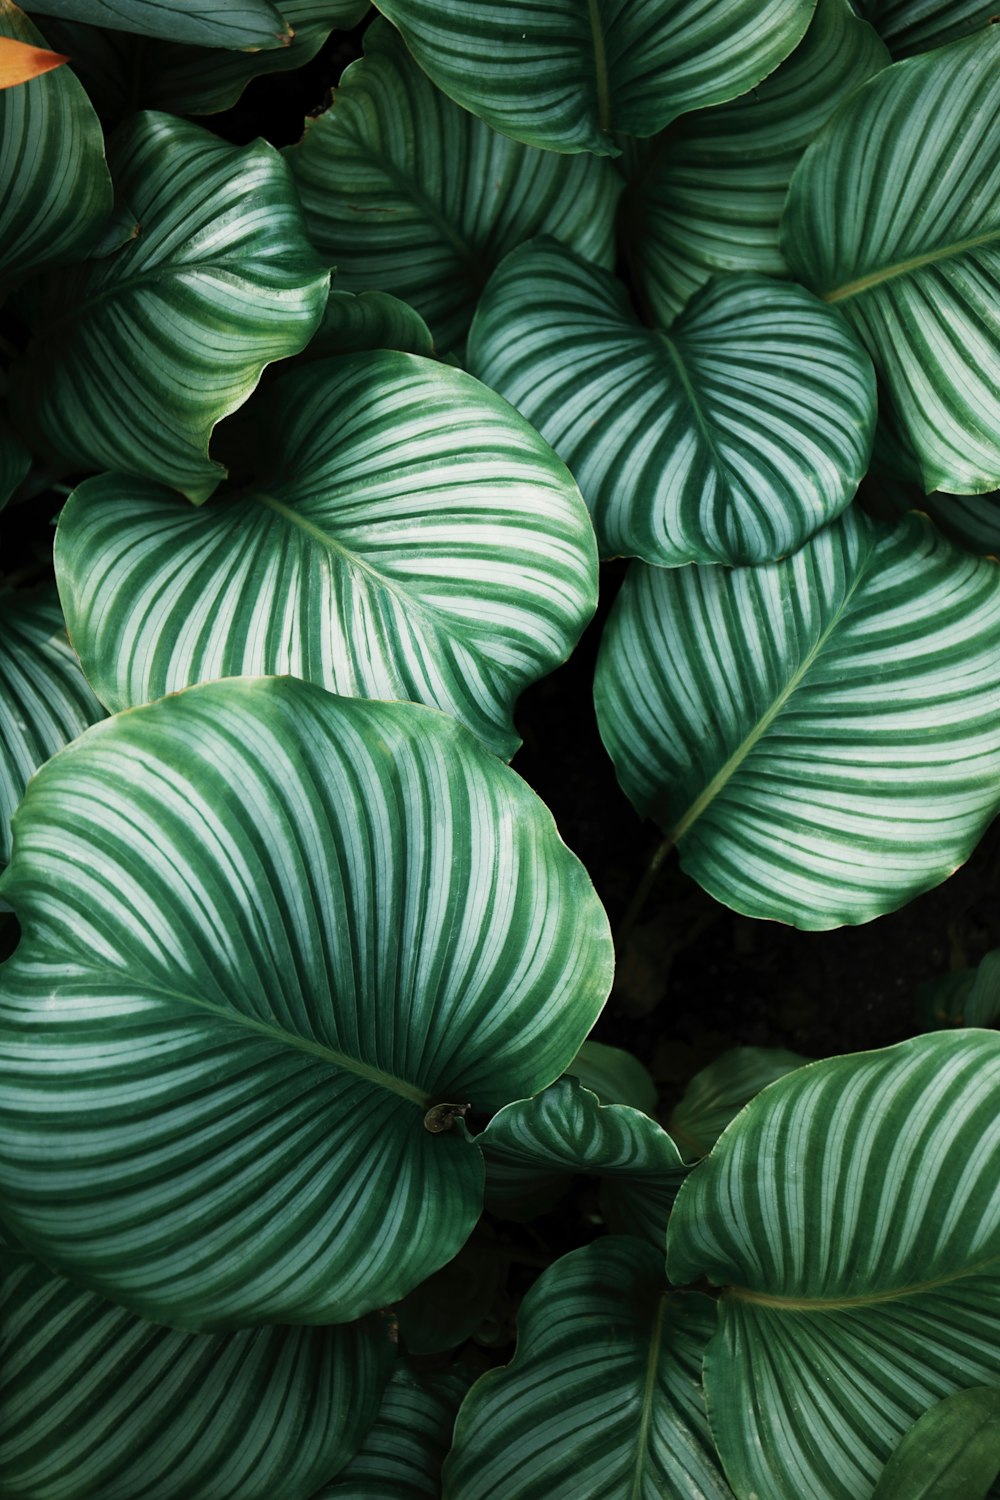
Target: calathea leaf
718, 1093
406, 193
729, 438
850, 1215
15, 461
603, 1397
971, 521
910, 26
353, 322
453, 1304
220, 281
227, 23
893, 216
95, 1401
564, 76
272, 943
410, 537
969, 997
614, 1075
820, 738
951, 1453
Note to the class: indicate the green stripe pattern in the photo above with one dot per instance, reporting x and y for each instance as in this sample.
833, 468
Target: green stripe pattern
411, 537
910, 26
562, 74
220, 281
731, 438
406, 193
603, 1397
264, 931
851, 1214
718, 1093
226, 23
401, 1457
893, 215
95, 1401
821, 737
951, 1453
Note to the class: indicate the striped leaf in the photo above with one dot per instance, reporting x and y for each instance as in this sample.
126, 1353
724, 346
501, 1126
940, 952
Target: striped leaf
45, 700
603, 1397
820, 738
135, 357
716, 1095
563, 75
95, 1401
951, 1453
353, 322
55, 188
851, 1216
710, 196
534, 1148
226, 23
615, 1076
967, 997
910, 26
971, 521
893, 216
15, 461
271, 941
411, 538
406, 193
731, 438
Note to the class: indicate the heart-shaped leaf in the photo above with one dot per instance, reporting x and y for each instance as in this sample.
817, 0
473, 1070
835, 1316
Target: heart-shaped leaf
272, 943
910, 26
730, 438
226, 23
412, 538
821, 737
850, 1213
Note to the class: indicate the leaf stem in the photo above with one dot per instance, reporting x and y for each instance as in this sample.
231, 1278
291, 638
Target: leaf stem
642, 891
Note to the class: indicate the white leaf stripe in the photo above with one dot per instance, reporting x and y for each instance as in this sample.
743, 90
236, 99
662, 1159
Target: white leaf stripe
402, 1455
729, 439
406, 193
822, 736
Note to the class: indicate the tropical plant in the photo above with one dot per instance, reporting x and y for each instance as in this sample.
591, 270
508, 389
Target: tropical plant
299, 1092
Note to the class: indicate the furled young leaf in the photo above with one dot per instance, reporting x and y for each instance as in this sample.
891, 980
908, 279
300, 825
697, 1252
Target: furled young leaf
615, 1076
910, 26
226, 23
603, 1397
563, 75
710, 196
15, 461
220, 281
411, 537
271, 940
95, 1401
893, 216
821, 737
718, 1093
731, 438
851, 1216
951, 1453
55, 188
45, 700
407, 193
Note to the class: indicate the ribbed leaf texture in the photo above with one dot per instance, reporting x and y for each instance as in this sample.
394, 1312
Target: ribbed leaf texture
716, 1095
910, 26
227, 23
951, 1453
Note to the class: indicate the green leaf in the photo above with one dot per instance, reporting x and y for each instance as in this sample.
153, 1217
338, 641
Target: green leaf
411, 538
851, 1216
268, 935
603, 1397
55, 188
95, 1401
220, 282
563, 75
15, 461
401, 1457
971, 521
910, 26
716, 1095
227, 23
731, 438
821, 737
615, 1076
535, 1146
970, 997
710, 196
45, 700
893, 216
453, 1304
408, 194
951, 1453
370, 320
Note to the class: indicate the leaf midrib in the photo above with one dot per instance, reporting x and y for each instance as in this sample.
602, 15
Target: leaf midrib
865, 1299
600, 65
648, 1396
903, 267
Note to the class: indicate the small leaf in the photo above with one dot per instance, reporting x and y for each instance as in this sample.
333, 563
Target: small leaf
615, 1076
448, 1308
951, 1453
716, 1095
968, 998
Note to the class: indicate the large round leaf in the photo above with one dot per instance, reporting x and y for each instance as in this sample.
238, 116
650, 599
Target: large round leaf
407, 193
910, 26
413, 538
95, 1401
731, 438
894, 216
266, 933
135, 357
226, 23
820, 738
710, 196
563, 74
603, 1397
851, 1215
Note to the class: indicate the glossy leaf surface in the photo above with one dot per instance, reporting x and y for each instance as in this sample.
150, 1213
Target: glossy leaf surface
563, 75
220, 281
851, 1216
406, 193
910, 26
603, 1397
821, 737
353, 322
227, 23
264, 931
951, 1453
893, 216
411, 538
729, 439
716, 1095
